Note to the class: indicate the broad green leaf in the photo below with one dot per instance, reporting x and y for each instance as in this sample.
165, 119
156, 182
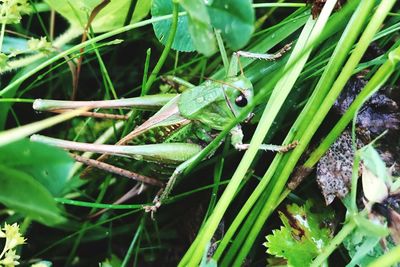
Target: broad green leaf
235, 20
302, 237
22, 193
112, 16
374, 163
50, 166
200, 27
363, 248
182, 41
142, 9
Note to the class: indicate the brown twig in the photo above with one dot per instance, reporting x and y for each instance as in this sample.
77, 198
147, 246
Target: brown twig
113, 169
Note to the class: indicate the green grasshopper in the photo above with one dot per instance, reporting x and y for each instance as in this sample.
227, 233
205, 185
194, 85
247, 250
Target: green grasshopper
184, 124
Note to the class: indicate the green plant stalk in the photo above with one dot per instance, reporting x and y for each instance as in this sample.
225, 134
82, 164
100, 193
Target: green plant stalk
25, 225
278, 5
245, 210
2, 31
42, 24
272, 108
145, 71
92, 226
245, 228
279, 95
232, 186
15, 134
75, 245
222, 50
17, 100
257, 99
354, 181
176, 61
217, 180
376, 82
388, 259
55, 66
167, 47
132, 245
66, 201
85, 225
79, 46
315, 33
335, 242
362, 45
342, 49
265, 44
339, 84
334, 65
336, 60
106, 77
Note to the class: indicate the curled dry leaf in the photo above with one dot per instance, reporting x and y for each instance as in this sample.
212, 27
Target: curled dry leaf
374, 188
334, 169
378, 114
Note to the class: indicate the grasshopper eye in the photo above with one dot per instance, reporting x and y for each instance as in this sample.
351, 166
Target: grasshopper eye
241, 101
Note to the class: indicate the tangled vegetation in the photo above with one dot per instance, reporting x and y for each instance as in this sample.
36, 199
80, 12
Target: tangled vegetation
190, 105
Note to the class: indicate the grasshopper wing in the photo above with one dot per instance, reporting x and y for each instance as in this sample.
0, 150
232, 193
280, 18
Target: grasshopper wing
168, 117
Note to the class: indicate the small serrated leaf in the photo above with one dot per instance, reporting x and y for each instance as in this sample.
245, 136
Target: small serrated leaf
301, 238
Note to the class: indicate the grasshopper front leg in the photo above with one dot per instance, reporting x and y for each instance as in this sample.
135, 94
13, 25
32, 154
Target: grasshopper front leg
271, 57
237, 142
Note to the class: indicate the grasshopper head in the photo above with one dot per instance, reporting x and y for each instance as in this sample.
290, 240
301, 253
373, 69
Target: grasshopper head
239, 93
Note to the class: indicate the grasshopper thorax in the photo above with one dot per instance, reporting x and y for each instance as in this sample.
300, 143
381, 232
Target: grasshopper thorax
216, 103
